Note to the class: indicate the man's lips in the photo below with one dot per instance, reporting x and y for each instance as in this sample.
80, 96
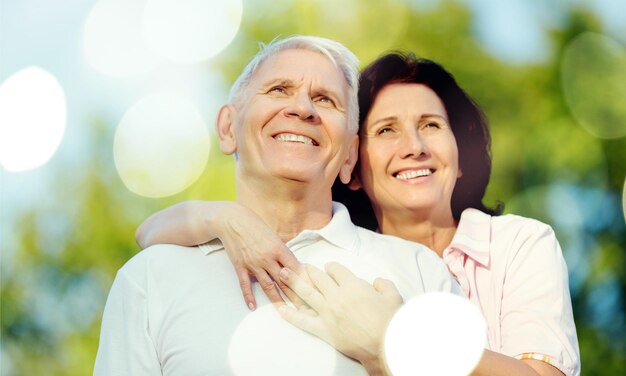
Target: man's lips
292, 137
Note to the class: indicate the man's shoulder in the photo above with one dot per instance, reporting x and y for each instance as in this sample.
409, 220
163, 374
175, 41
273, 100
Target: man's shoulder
158, 256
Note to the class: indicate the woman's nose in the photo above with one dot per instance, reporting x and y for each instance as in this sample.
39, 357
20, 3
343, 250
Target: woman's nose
411, 145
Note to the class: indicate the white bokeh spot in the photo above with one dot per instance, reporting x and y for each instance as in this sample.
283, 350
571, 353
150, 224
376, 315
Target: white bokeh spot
593, 78
112, 40
265, 344
33, 116
161, 145
190, 31
435, 334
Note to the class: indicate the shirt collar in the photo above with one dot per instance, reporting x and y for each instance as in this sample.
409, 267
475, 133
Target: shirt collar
473, 236
340, 231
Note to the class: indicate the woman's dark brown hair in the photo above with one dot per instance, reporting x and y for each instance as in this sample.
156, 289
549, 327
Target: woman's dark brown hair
467, 121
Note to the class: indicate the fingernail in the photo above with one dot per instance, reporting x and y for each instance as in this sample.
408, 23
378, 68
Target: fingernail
284, 273
251, 306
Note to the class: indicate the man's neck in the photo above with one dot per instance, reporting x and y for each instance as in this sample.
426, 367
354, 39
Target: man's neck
288, 208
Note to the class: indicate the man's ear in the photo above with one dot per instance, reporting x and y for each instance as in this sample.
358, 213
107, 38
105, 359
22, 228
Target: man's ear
348, 165
224, 128
355, 183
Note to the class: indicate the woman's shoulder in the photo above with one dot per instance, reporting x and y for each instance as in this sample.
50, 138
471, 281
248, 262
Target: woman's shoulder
507, 223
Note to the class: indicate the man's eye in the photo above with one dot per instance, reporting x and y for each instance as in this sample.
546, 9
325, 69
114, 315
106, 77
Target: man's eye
277, 89
325, 99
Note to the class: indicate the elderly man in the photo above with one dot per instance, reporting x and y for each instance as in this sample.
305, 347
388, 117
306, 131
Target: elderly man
291, 125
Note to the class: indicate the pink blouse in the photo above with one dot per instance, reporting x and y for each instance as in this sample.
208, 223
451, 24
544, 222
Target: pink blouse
512, 268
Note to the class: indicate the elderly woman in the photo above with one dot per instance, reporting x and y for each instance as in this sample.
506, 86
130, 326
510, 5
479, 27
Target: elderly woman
423, 169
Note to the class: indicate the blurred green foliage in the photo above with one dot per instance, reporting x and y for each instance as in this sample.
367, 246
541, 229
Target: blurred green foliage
546, 166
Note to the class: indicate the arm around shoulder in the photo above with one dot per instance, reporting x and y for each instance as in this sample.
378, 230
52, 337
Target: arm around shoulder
188, 223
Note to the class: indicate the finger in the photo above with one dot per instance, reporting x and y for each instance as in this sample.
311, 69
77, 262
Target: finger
387, 289
246, 287
292, 296
303, 288
268, 286
287, 259
304, 320
274, 271
322, 281
342, 275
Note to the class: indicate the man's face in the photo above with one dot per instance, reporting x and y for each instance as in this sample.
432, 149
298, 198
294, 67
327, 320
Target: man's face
292, 120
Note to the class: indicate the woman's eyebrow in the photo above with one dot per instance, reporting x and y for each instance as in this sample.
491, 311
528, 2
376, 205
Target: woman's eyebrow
427, 116
383, 120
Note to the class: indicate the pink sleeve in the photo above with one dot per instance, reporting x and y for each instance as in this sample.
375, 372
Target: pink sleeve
536, 317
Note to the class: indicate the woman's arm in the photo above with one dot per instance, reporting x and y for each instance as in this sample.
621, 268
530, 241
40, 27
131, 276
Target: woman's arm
536, 318
496, 364
253, 248
188, 223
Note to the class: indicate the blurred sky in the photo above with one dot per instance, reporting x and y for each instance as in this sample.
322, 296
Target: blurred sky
52, 35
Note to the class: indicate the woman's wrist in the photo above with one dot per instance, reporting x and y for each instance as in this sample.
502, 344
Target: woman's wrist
215, 215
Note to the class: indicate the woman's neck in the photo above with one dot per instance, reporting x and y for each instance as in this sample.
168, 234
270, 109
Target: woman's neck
434, 231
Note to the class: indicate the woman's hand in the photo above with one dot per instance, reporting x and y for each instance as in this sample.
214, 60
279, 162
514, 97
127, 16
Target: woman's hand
343, 310
255, 250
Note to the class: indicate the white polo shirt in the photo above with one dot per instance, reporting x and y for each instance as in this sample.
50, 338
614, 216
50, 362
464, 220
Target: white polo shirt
176, 310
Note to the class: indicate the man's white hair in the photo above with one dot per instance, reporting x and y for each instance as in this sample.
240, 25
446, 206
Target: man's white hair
336, 52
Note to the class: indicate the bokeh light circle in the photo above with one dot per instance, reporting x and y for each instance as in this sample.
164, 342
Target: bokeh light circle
593, 78
33, 116
112, 40
161, 145
291, 352
435, 334
190, 31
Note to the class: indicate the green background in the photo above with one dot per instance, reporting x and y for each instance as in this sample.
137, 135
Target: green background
549, 163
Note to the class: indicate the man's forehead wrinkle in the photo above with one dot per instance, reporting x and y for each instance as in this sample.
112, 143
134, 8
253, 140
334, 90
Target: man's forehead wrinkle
315, 85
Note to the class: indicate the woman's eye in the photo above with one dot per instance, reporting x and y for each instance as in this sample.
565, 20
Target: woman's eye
384, 130
430, 126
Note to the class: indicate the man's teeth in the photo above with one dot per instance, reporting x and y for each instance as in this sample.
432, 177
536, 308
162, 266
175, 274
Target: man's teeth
414, 174
294, 138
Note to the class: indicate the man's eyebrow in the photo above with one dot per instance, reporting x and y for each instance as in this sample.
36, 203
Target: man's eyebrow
278, 82
327, 92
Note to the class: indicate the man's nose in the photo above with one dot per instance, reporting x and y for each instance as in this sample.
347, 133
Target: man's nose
302, 107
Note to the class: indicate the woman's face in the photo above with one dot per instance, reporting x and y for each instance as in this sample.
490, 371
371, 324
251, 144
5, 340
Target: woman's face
408, 157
